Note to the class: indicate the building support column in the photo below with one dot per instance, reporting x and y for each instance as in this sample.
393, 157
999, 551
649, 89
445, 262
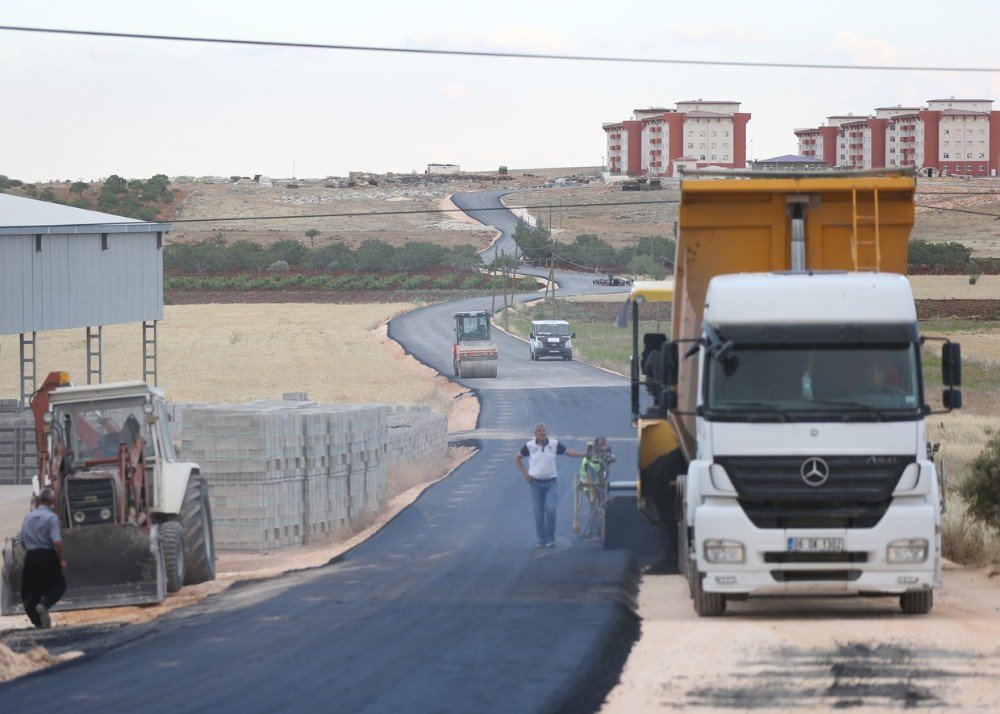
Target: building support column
149, 352
29, 368
95, 371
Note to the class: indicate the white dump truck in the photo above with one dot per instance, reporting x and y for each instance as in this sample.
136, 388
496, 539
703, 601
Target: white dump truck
786, 443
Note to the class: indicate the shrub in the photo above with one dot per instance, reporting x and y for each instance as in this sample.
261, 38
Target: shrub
289, 251
373, 255
414, 257
444, 282
922, 252
981, 490
278, 266
415, 281
471, 282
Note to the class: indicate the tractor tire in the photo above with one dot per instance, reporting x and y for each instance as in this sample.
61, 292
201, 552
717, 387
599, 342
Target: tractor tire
917, 603
172, 547
707, 604
199, 537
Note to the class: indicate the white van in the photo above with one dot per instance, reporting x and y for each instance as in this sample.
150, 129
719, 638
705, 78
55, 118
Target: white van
551, 338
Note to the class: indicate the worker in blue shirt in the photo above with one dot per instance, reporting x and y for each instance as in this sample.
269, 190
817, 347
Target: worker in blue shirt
42, 583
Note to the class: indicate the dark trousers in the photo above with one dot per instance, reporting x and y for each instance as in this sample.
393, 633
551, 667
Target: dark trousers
42, 582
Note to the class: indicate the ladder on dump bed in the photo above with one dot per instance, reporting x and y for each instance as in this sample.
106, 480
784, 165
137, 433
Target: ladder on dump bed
866, 254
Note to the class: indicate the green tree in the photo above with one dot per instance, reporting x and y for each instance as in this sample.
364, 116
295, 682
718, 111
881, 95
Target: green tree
372, 256
590, 251
415, 257
5, 183
291, 251
463, 257
646, 265
248, 255
311, 235
114, 184
533, 241
324, 257
78, 187
981, 489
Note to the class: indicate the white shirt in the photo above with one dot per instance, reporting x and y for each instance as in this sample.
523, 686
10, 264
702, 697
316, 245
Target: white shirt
542, 459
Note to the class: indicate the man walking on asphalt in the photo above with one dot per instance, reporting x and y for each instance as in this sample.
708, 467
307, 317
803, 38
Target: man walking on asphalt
42, 582
541, 475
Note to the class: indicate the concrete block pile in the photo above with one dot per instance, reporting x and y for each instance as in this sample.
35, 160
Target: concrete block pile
288, 473
417, 433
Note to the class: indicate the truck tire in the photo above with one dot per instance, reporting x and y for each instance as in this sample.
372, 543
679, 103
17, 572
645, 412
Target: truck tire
657, 487
172, 547
199, 537
917, 603
707, 604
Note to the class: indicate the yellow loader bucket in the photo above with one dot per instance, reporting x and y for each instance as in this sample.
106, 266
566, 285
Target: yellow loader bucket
107, 566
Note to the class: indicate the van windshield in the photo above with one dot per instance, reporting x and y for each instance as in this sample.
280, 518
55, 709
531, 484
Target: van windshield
558, 330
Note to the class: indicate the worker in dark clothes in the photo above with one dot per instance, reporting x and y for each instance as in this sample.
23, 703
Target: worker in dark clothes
42, 583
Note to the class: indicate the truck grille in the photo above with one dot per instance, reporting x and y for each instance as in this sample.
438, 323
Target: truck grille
773, 493
91, 501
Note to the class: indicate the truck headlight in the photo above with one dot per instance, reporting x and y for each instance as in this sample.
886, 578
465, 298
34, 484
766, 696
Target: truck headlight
911, 550
723, 551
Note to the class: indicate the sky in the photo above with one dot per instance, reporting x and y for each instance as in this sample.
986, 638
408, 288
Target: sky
77, 108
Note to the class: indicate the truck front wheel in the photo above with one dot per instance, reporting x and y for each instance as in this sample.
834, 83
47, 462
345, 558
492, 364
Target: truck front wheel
917, 603
707, 604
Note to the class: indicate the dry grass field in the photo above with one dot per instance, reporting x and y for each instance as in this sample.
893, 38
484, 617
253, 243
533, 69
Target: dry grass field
239, 352
240, 202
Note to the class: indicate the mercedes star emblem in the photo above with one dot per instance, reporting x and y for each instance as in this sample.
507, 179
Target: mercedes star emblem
815, 471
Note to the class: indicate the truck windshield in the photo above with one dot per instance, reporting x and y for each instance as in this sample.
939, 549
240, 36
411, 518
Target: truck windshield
786, 382
93, 431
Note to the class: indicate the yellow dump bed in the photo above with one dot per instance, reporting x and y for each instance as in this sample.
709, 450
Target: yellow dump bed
740, 223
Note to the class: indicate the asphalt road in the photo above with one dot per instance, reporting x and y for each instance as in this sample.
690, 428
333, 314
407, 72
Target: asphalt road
448, 608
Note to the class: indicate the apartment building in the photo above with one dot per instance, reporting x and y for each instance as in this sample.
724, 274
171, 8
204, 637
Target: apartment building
957, 137
658, 141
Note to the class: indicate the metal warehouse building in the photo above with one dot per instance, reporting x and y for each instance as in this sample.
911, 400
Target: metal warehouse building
63, 267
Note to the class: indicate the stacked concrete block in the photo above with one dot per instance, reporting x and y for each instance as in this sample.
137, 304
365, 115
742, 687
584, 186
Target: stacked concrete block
18, 452
288, 473
417, 433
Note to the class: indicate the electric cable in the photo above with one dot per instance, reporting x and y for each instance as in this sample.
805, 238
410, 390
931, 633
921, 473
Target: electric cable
490, 54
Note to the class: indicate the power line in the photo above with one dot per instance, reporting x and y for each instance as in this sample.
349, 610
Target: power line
489, 54
364, 214
957, 210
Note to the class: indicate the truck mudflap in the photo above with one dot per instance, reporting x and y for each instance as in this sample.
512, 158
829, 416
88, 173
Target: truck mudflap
108, 566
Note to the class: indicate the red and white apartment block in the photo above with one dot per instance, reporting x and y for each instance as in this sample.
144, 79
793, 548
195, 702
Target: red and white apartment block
659, 141
949, 136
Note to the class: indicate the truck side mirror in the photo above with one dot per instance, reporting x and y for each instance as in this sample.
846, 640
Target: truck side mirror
573, 335
952, 398
669, 359
951, 364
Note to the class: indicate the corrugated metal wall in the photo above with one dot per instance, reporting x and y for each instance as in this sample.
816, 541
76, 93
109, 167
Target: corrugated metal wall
72, 282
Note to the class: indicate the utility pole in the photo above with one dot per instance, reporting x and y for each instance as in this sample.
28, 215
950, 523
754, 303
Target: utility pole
493, 284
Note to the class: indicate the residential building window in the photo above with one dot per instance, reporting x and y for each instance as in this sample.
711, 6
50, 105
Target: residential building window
968, 168
945, 156
981, 167
691, 145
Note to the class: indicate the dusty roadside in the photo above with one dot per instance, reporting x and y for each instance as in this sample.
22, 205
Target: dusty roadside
815, 654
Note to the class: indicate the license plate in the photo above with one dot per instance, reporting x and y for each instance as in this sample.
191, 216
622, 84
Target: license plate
815, 545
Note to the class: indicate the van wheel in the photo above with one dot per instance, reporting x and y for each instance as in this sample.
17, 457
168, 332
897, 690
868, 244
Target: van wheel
917, 603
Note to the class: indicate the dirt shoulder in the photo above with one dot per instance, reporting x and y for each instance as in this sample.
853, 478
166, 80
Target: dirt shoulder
815, 654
